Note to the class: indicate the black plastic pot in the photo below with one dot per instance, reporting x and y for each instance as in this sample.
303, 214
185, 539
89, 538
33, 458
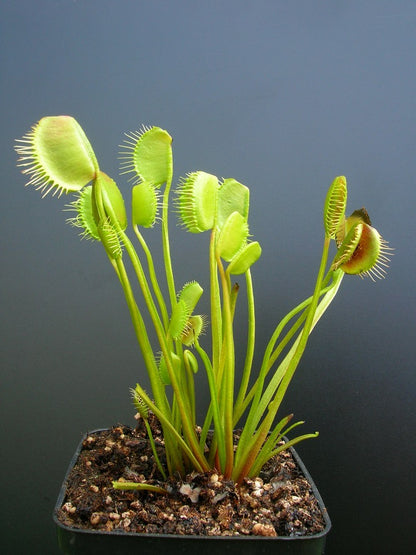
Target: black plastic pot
85, 542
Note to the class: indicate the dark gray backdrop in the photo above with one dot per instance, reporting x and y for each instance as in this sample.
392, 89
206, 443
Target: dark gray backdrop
283, 96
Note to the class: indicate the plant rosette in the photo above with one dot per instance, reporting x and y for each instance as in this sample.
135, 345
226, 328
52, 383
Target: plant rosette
171, 333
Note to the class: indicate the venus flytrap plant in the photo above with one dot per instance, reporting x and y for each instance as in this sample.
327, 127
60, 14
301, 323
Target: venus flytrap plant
58, 158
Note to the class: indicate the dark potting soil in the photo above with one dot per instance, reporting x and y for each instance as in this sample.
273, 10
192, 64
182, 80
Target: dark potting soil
277, 503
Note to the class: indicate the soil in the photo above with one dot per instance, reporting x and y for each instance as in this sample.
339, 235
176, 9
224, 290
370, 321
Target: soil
279, 502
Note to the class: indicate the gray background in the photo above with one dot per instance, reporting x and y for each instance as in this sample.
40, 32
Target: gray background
283, 96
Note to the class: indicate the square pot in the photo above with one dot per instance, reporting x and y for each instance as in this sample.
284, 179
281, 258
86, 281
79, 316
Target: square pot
79, 541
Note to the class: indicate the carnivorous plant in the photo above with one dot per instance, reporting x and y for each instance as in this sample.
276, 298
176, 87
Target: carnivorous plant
58, 158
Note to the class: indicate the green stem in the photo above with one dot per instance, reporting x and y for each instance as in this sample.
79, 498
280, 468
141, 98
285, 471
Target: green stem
218, 423
206, 427
142, 337
165, 239
228, 381
153, 278
310, 317
216, 318
190, 385
251, 338
153, 446
305, 304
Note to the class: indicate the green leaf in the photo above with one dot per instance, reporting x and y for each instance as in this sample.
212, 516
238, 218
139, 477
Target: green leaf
232, 236
370, 256
148, 155
163, 369
190, 295
109, 239
144, 205
84, 218
335, 204
57, 155
110, 199
191, 360
196, 200
348, 246
232, 197
178, 320
139, 403
244, 259
137, 486
193, 329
